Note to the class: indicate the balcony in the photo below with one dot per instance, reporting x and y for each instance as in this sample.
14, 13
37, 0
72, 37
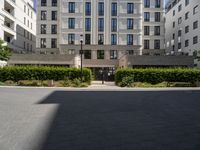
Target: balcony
11, 2
9, 11
9, 26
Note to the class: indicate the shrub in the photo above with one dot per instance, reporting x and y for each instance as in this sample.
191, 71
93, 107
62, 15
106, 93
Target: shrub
127, 81
76, 82
158, 75
17, 73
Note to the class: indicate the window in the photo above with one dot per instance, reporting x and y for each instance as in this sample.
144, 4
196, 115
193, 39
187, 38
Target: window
43, 3
179, 20
43, 28
100, 54
87, 24
157, 30
54, 3
114, 9
43, 15
87, 38
130, 52
113, 54
101, 8
146, 44
173, 36
157, 16
71, 38
195, 25
179, 33
113, 39
43, 43
157, 3
25, 20
54, 15
114, 25
71, 51
174, 24
100, 39
195, 10
186, 15
174, 12
156, 44
88, 8
53, 29
179, 8
187, 29
71, 22
130, 8
129, 23
195, 40
87, 54
146, 30
25, 8
129, 39
187, 2
101, 24
71, 7
53, 43
27, 47
146, 16
179, 45
186, 43
146, 3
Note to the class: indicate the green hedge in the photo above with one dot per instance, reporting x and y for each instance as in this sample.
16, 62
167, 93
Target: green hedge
17, 73
158, 75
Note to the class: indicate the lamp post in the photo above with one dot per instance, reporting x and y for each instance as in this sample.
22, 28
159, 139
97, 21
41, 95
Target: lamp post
81, 52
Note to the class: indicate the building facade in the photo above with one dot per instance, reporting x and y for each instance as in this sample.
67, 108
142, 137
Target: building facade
18, 25
110, 29
182, 27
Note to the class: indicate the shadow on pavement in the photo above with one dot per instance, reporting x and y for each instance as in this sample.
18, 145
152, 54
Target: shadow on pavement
143, 120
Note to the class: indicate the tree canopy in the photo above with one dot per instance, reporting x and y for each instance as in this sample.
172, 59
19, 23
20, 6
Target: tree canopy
4, 51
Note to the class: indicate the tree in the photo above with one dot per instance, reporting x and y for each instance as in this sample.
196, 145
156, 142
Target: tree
5, 53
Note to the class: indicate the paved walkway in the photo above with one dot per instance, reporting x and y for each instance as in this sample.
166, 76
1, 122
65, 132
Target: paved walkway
106, 85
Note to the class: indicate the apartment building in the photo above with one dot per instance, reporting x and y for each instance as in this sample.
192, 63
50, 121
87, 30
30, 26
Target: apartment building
18, 25
182, 27
153, 27
109, 29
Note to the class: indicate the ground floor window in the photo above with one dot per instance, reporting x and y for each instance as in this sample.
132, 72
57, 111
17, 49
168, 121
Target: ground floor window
113, 54
100, 54
87, 54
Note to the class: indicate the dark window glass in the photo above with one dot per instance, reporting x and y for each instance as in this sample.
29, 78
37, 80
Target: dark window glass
100, 54
101, 8
71, 7
88, 8
130, 8
114, 9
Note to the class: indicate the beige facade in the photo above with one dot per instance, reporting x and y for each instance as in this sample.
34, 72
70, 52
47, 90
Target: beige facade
110, 30
18, 25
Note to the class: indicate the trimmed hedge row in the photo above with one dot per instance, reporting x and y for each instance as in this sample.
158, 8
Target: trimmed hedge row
158, 75
17, 73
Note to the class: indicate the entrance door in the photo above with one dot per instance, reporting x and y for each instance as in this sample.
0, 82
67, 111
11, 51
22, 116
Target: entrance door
104, 73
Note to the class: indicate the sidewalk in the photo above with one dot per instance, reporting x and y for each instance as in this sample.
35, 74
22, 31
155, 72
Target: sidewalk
106, 85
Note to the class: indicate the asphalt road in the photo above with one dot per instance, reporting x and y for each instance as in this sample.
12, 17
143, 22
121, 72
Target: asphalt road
61, 119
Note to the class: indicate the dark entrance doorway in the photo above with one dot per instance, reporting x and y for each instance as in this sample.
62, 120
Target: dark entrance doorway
103, 73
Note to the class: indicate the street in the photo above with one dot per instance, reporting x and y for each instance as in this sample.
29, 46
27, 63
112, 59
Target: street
89, 119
